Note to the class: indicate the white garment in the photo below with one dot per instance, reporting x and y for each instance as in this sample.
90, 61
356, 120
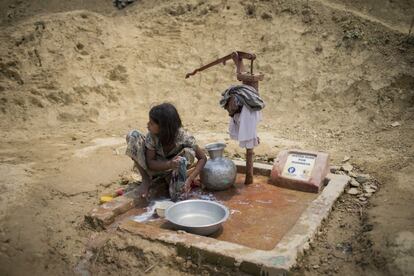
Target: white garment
242, 127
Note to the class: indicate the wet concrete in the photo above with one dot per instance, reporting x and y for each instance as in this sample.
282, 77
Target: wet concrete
260, 213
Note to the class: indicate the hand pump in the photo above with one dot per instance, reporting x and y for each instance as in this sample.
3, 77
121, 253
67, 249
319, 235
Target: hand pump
248, 78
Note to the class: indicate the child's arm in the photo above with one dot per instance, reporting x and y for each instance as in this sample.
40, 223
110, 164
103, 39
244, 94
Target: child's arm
202, 159
159, 165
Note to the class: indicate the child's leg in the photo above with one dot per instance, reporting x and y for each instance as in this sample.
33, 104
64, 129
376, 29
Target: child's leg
136, 150
143, 190
249, 166
190, 155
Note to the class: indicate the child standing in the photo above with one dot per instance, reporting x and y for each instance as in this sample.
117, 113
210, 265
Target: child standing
165, 153
244, 106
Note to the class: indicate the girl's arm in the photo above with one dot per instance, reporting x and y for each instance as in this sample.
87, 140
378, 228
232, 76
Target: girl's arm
202, 159
159, 165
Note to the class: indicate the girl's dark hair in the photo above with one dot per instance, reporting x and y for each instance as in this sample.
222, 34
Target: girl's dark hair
166, 117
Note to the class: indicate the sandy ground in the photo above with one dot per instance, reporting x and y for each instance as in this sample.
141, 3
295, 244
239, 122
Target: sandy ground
75, 76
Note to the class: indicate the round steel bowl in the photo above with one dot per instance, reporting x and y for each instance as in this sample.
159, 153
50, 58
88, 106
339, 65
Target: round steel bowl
201, 217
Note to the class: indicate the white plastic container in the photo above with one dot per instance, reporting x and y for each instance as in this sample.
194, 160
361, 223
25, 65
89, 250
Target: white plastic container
161, 206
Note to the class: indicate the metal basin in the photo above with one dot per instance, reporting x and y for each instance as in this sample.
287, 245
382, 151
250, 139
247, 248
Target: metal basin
201, 217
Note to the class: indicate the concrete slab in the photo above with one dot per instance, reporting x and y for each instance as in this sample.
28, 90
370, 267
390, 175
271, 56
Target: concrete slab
276, 261
260, 214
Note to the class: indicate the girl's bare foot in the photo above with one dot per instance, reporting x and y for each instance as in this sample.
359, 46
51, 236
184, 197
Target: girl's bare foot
143, 190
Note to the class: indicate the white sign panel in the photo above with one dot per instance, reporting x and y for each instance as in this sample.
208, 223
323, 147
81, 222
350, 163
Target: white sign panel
299, 166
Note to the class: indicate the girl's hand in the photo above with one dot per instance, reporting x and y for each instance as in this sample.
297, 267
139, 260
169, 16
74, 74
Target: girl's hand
174, 163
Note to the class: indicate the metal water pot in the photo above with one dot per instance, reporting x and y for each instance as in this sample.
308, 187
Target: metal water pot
219, 173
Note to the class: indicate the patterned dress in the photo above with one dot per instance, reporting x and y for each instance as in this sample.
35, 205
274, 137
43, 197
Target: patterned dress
185, 146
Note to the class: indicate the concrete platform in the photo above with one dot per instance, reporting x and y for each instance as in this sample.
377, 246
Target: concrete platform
268, 228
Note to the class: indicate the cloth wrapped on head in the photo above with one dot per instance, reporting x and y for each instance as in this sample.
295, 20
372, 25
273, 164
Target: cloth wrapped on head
246, 95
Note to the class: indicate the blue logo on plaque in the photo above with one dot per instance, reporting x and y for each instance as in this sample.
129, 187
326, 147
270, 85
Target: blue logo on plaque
291, 170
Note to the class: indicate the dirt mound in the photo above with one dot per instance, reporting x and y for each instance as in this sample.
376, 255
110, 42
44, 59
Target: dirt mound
396, 14
59, 64
79, 65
